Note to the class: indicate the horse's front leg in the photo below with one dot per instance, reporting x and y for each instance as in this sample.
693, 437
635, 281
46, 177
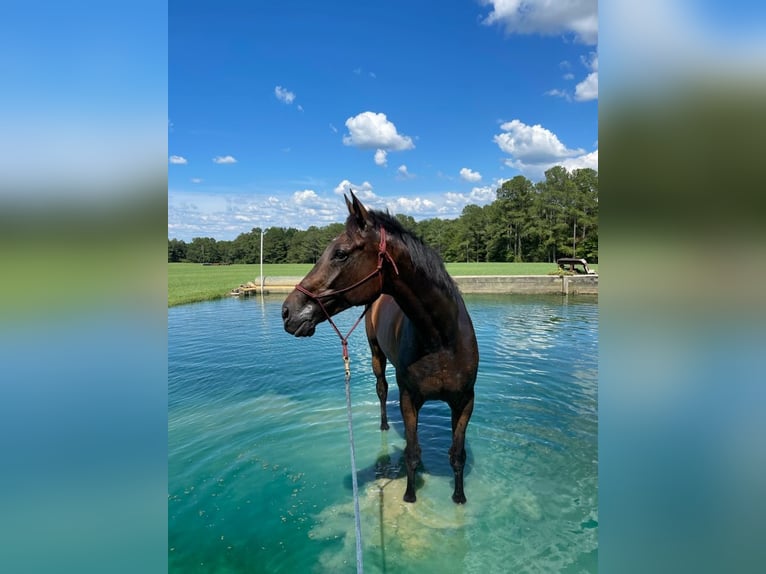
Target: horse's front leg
461, 414
410, 407
381, 386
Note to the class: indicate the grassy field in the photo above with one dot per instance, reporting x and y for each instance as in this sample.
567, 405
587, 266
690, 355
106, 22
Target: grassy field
191, 282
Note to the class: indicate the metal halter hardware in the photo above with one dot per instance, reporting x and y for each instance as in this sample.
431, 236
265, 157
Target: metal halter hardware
383, 255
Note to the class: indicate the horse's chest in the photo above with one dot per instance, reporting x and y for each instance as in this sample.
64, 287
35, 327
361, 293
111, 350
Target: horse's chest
431, 375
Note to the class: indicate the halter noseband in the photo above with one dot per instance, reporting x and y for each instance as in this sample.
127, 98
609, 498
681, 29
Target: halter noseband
383, 255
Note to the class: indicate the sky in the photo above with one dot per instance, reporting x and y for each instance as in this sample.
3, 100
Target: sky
278, 108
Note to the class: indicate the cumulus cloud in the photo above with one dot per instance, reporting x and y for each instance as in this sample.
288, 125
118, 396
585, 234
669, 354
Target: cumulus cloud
177, 160
410, 205
470, 175
370, 130
580, 162
380, 157
454, 202
363, 191
223, 159
532, 144
578, 17
307, 196
534, 149
587, 89
284, 95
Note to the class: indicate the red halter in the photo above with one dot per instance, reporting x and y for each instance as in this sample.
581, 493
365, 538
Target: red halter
382, 255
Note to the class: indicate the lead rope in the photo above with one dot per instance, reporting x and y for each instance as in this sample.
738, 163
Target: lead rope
357, 516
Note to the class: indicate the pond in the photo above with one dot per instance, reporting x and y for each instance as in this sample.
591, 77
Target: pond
258, 456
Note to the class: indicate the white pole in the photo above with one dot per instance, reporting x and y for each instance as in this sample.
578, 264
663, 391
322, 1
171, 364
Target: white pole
261, 261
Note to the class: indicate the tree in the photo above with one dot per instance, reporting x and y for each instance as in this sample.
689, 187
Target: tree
203, 250
516, 197
471, 232
586, 185
176, 250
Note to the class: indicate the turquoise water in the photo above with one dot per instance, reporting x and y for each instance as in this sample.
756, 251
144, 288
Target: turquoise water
259, 471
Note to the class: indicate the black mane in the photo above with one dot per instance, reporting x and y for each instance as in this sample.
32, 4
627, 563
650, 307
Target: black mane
423, 256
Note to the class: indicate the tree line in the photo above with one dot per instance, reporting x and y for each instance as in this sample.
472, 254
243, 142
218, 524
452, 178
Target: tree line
556, 217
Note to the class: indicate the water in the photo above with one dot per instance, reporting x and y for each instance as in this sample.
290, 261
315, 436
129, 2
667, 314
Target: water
259, 471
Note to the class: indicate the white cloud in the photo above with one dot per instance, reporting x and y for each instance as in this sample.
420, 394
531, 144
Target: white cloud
223, 159
363, 191
370, 130
411, 205
299, 107
534, 149
484, 194
556, 93
403, 173
587, 89
380, 157
334, 129
305, 196
578, 17
470, 175
177, 160
454, 202
284, 95
532, 144
196, 180
225, 213
588, 160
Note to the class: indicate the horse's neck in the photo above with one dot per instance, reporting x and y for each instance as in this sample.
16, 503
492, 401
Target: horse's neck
432, 310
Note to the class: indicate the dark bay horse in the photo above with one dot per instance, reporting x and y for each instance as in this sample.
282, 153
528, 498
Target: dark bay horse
415, 318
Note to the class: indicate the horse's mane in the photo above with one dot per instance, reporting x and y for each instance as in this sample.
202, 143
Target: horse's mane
423, 256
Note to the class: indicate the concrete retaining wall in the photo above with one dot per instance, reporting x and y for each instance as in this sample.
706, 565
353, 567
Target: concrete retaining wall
529, 284
515, 284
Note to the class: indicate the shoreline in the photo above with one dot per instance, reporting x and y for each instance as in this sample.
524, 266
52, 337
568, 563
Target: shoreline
469, 284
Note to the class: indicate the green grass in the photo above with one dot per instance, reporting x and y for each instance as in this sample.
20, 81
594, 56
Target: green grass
191, 282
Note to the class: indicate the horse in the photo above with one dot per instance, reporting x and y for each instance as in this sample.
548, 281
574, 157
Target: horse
415, 317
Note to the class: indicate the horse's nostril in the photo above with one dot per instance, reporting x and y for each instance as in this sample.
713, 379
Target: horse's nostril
285, 312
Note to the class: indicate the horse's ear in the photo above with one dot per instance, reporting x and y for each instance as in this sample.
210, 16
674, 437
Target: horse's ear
358, 210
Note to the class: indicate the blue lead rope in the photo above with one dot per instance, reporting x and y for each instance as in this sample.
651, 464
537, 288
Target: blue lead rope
357, 519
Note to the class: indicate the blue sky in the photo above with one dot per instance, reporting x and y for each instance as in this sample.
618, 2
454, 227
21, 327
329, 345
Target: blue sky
276, 108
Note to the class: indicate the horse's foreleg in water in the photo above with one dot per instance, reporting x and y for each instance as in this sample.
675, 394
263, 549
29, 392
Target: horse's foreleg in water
461, 414
410, 408
379, 368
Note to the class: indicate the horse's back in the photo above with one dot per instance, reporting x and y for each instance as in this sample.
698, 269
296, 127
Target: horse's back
385, 320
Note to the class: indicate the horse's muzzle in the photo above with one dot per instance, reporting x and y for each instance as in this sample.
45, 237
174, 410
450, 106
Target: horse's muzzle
299, 320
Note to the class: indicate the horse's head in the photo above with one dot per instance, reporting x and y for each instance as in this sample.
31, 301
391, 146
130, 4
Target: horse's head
347, 274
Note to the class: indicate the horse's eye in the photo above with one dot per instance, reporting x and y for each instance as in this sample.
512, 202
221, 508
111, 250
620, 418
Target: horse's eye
340, 255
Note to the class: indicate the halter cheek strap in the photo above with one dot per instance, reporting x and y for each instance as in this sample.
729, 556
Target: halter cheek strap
383, 255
